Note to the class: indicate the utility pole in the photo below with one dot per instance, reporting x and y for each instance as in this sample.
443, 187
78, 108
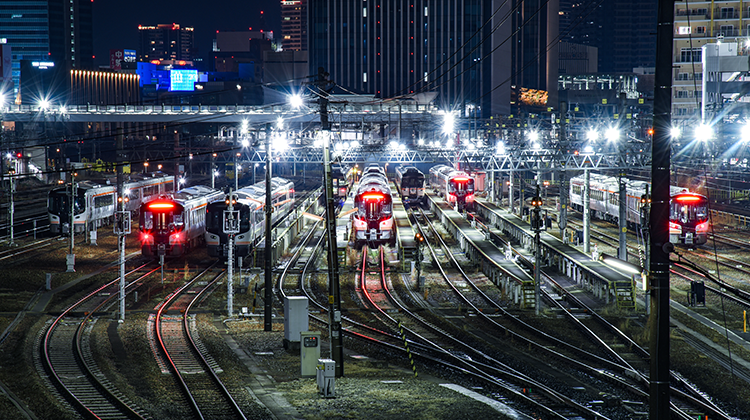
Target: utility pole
122, 224
268, 301
586, 211
537, 225
231, 228
12, 204
623, 218
563, 221
71, 257
334, 293
660, 247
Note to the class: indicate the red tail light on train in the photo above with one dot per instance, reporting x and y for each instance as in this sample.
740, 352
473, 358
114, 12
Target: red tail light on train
373, 196
687, 198
161, 206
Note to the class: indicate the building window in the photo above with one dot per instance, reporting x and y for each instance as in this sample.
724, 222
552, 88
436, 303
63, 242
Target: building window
727, 30
700, 29
683, 30
364, 77
727, 13
688, 55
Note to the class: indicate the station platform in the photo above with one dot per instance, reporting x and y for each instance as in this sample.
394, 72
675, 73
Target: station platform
497, 265
605, 282
407, 247
343, 229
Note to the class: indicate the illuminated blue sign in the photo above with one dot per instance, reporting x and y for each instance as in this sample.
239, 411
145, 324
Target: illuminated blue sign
183, 80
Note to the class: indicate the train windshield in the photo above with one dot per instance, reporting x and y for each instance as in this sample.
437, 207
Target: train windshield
376, 206
462, 186
412, 182
162, 221
59, 202
689, 209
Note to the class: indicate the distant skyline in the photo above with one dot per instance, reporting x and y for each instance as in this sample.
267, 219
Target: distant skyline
116, 22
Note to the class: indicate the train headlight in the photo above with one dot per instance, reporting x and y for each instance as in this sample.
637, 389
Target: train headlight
360, 224
701, 227
675, 227
386, 224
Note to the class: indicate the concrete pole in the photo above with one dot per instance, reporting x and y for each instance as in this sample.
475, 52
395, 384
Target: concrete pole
586, 212
623, 221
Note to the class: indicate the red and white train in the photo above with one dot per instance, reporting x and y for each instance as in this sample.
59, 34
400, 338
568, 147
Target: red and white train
688, 211
372, 222
173, 223
456, 187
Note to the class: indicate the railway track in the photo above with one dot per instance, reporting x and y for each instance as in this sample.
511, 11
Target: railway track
195, 371
75, 374
629, 360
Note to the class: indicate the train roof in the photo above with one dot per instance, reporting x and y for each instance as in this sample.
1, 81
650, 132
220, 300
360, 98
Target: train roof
411, 170
196, 191
448, 172
373, 182
255, 194
634, 187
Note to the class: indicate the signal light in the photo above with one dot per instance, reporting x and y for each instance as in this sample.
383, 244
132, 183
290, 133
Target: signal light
650, 131
645, 199
536, 202
418, 238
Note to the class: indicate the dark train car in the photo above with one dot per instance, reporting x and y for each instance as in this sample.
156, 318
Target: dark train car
173, 223
251, 203
410, 184
456, 187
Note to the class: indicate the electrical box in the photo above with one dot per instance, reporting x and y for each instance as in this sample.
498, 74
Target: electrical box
295, 320
325, 377
309, 353
697, 294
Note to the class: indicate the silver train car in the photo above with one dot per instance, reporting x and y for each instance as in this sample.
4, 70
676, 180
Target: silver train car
95, 204
251, 203
688, 216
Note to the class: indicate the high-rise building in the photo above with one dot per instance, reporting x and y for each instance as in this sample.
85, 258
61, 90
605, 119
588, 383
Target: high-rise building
534, 59
166, 42
697, 24
393, 48
59, 31
623, 31
294, 25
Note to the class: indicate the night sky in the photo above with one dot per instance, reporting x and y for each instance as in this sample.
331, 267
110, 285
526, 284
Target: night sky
116, 21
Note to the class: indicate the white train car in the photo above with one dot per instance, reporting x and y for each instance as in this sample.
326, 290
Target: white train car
688, 220
95, 203
251, 203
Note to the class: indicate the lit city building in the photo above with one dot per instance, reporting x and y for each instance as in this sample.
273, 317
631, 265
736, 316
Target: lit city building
166, 42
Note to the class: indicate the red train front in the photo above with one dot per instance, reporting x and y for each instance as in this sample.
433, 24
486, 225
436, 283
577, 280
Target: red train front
456, 187
162, 227
372, 223
688, 219
172, 224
